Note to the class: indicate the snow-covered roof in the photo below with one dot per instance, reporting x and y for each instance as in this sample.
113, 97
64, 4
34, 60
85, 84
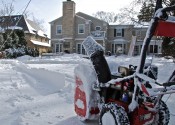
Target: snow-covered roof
40, 43
2, 30
55, 20
118, 23
81, 18
88, 17
27, 25
34, 28
142, 25
31, 29
15, 27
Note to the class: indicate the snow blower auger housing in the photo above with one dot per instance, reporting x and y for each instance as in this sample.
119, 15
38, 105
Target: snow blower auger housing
134, 98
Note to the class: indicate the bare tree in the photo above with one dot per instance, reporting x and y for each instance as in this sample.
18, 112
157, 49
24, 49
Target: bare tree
127, 15
6, 8
109, 17
40, 23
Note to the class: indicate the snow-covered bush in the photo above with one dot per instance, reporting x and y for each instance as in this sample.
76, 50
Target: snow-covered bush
13, 44
20, 51
14, 52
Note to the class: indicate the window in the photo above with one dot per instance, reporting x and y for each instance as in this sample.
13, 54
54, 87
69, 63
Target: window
83, 50
59, 29
58, 47
113, 48
80, 49
118, 32
97, 28
115, 31
153, 48
81, 28
136, 50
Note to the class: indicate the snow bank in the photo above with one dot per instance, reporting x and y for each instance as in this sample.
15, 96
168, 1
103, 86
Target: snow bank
28, 97
44, 81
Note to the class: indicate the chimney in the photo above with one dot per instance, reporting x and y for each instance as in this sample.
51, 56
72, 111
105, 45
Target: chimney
69, 8
68, 20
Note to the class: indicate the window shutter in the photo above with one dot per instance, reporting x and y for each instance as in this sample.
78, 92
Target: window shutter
123, 33
115, 31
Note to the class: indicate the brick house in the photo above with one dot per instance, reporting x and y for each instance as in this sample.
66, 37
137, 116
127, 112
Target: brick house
69, 31
34, 35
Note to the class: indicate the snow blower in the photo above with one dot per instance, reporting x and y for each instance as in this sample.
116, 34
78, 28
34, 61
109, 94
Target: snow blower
134, 97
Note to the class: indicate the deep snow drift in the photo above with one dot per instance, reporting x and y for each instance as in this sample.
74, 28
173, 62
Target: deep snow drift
40, 91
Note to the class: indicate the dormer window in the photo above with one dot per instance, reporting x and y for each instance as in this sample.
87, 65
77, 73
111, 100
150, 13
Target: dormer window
97, 28
35, 31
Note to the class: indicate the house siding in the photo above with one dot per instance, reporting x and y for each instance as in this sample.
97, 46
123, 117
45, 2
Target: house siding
41, 49
53, 34
86, 25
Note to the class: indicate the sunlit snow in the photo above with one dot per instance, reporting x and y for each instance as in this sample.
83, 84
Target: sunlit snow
40, 91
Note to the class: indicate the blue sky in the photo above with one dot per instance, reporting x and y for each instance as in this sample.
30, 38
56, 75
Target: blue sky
49, 10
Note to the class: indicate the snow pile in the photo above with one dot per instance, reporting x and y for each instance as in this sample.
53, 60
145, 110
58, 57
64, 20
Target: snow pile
40, 91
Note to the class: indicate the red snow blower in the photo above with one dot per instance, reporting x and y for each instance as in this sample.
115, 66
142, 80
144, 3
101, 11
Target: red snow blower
133, 97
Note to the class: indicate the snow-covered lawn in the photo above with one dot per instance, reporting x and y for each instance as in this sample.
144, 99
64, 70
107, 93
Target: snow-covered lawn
40, 91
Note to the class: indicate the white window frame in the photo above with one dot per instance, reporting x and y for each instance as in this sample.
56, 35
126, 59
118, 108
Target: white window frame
79, 28
98, 27
117, 32
60, 48
57, 29
82, 50
152, 50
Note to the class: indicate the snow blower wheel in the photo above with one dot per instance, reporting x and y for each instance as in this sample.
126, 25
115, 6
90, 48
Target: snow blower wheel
164, 114
112, 114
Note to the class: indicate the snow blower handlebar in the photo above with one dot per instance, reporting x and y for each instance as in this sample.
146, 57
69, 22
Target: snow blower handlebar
165, 88
168, 84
